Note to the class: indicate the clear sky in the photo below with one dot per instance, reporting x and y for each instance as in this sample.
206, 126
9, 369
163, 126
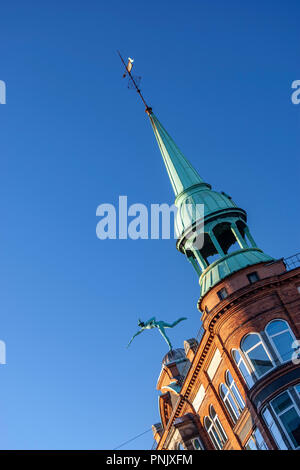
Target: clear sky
218, 75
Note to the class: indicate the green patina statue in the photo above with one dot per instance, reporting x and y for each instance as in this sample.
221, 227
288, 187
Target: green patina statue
160, 325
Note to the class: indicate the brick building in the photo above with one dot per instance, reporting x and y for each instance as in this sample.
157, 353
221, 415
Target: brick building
237, 385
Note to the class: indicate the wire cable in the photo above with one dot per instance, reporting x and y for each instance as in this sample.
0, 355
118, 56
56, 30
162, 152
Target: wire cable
132, 439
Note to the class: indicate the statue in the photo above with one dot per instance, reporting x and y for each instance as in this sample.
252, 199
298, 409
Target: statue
160, 325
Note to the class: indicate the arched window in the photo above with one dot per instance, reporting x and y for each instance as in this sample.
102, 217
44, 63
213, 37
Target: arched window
229, 403
257, 354
214, 429
281, 338
226, 238
242, 367
208, 251
235, 391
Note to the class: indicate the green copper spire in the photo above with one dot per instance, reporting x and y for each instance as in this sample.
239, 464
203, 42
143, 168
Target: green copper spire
181, 173
217, 242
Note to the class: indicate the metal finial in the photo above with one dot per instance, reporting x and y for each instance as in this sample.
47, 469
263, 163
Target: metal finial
134, 81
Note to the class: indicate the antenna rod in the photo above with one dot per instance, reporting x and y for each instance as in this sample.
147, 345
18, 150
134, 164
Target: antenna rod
148, 109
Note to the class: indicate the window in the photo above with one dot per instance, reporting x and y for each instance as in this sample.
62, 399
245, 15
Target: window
222, 294
253, 277
226, 238
209, 251
256, 441
243, 368
257, 354
235, 391
281, 338
297, 388
197, 444
214, 429
274, 430
288, 414
229, 403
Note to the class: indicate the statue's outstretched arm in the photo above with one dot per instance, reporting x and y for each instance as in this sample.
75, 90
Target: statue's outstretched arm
138, 333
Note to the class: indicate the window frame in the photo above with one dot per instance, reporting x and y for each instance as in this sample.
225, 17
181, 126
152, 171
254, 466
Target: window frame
273, 424
244, 361
201, 447
253, 437
270, 338
215, 427
234, 414
240, 402
282, 426
220, 295
262, 343
251, 274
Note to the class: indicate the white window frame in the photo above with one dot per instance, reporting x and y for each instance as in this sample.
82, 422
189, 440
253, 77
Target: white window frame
212, 421
258, 377
270, 338
225, 400
244, 360
233, 385
200, 443
294, 405
276, 428
209, 429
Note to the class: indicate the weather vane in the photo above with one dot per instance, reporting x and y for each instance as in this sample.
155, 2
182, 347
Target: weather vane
160, 325
133, 80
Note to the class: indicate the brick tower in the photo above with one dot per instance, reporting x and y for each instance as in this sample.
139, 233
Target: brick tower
237, 385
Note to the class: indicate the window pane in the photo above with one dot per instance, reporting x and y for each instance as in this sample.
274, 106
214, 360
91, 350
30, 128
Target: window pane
276, 326
250, 341
282, 402
283, 343
291, 421
244, 371
215, 439
253, 277
259, 440
232, 408
229, 378
212, 411
238, 397
223, 390
256, 442
220, 430
251, 445
298, 389
207, 423
260, 360
236, 355
197, 444
274, 430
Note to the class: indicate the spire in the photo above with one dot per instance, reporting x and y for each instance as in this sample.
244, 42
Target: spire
181, 173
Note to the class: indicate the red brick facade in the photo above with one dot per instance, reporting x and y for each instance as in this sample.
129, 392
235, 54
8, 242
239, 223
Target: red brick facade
191, 387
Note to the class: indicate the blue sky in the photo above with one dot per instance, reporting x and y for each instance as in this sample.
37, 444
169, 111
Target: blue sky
218, 75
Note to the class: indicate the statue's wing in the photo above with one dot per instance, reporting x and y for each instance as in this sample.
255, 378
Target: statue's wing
138, 333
